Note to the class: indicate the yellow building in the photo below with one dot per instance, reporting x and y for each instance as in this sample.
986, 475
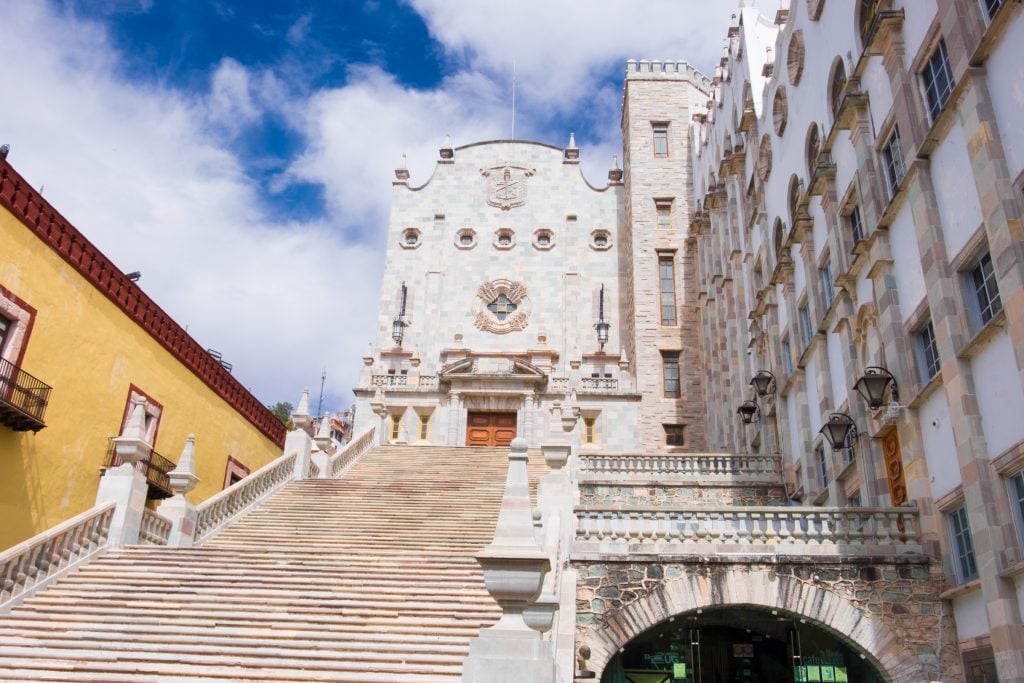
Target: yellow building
78, 341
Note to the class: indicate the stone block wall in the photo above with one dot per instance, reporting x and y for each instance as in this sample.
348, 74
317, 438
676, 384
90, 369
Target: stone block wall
673, 496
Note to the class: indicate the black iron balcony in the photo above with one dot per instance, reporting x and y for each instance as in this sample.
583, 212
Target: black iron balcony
155, 467
23, 399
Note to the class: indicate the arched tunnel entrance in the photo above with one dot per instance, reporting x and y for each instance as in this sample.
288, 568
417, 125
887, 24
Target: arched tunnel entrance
738, 645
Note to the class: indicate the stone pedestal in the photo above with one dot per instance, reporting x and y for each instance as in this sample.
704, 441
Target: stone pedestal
509, 657
298, 441
182, 515
127, 488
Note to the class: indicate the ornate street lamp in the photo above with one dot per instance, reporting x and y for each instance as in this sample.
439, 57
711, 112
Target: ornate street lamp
602, 327
763, 382
399, 325
838, 429
873, 385
748, 412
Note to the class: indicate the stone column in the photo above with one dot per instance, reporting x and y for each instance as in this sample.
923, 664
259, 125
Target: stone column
178, 509
514, 567
125, 485
454, 416
528, 416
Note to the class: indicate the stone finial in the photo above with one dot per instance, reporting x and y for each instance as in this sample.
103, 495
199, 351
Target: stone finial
402, 172
131, 446
323, 433
615, 174
446, 151
183, 477
300, 416
572, 152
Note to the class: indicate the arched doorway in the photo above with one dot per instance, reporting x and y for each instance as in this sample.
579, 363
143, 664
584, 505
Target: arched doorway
738, 644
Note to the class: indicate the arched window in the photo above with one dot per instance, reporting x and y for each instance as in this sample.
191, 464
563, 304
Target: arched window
780, 110
794, 196
795, 57
779, 234
813, 148
866, 11
837, 86
764, 158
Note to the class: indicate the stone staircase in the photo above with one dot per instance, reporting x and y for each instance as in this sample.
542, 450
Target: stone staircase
370, 577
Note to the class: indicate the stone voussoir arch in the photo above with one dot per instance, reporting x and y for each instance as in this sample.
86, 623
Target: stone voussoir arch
763, 588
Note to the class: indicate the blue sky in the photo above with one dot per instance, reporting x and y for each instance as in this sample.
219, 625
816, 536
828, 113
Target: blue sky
240, 154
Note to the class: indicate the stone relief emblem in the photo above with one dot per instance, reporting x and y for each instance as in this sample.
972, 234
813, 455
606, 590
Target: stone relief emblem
502, 306
506, 186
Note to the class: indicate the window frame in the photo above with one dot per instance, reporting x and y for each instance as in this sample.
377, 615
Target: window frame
1015, 493
926, 351
663, 207
804, 321
936, 70
855, 225
669, 360
828, 289
962, 555
234, 468
787, 354
823, 466
395, 432
22, 317
589, 430
985, 302
675, 432
893, 161
667, 258
990, 13
659, 130
423, 432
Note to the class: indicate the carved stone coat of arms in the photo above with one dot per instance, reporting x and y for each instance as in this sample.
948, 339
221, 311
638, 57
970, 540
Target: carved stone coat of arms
506, 186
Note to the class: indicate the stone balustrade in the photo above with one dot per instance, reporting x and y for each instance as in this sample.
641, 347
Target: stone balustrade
32, 564
775, 530
599, 385
682, 467
359, 445
155, 529
390, 381
215, 512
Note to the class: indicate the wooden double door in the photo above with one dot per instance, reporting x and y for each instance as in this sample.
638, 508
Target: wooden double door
490, 429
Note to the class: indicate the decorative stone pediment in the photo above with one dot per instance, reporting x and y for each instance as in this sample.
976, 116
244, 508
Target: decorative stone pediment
501, 306
512, 368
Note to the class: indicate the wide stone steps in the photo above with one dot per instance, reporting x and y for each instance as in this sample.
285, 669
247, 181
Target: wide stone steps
366, 578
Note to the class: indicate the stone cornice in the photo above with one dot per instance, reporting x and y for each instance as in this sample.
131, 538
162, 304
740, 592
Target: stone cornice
39, 216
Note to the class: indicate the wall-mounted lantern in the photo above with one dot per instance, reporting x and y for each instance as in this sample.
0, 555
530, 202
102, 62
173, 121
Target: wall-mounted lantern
602, 327
399, 325
763, 383
838, 429
874, 385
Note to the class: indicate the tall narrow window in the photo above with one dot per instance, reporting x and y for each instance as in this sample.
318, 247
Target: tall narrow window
963, 545
805, 325
983, 279
837, 87
827, 288
670, 373
787, 356
927, 352
5, 330
1017, 499
819, 451
856, 226
424, 427
589, 430
667, 279
660, 139
892, 154
664, 210
991, 7
396, 427
938, 79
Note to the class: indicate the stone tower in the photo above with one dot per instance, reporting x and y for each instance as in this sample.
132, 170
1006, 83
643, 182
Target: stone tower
662, 327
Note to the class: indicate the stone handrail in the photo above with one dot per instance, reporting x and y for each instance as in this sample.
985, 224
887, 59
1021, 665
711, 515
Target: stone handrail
215, 512
352, 450
32, 564
155, 528
698, 466
390, 380
768, 529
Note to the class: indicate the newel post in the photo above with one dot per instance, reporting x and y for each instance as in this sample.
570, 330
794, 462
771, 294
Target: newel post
298, 440
177, 508
125, 485
514, 567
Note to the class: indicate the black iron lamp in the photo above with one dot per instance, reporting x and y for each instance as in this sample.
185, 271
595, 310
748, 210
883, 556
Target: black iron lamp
838, 429
763, 382
748, 412
873, 385
399, 325
602, 326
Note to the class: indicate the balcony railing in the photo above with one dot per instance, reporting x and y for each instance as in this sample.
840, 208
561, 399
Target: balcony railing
777, 530
23, 399
390, 380
155, 467
717, 467
599, 384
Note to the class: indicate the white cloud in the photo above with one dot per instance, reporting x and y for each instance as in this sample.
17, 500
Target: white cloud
148, 173
140, 171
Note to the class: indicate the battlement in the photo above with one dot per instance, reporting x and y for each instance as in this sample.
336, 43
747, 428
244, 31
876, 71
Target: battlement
671, 69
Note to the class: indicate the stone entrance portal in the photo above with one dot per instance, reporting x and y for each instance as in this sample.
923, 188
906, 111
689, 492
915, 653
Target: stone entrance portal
490, 428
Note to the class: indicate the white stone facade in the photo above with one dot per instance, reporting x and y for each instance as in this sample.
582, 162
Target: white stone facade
825, 248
